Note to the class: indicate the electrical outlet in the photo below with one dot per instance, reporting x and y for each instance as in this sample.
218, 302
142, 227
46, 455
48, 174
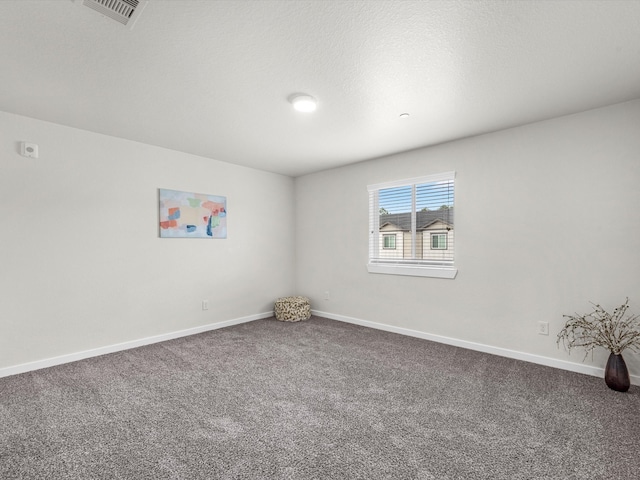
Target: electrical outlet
326, 295
543, 328
205, 304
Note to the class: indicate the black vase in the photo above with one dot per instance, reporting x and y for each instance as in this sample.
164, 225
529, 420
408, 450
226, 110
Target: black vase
616, 374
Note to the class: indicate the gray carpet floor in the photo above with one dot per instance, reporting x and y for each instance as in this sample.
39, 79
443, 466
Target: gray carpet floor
318, 399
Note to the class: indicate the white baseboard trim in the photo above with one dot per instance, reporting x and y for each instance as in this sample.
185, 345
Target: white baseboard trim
502, 352
96, 352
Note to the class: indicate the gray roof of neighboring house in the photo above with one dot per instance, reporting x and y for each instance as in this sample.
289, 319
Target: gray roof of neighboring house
423, 219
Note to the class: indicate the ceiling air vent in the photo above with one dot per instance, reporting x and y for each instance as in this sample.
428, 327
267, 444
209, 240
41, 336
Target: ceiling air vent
125, 12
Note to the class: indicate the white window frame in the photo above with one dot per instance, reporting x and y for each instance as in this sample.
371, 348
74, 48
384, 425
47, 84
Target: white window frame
438, 235
416, 268
384, 236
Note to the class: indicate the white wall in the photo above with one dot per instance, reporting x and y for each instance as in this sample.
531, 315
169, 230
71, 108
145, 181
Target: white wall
82, 264
547, 220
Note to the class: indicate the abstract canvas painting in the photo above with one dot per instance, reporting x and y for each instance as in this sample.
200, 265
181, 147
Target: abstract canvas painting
192, 215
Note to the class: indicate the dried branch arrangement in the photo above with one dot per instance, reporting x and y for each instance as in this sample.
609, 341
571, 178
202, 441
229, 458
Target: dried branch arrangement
613, 331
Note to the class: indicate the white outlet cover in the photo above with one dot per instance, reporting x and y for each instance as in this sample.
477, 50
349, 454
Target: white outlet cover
29, 149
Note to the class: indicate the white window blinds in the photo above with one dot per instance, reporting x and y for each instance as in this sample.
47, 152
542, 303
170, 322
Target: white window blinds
420, 213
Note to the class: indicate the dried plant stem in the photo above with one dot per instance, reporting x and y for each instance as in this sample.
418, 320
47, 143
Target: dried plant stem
612, 331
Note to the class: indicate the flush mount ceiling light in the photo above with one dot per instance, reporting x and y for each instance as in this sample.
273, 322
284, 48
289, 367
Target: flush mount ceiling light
404, 115
303, 102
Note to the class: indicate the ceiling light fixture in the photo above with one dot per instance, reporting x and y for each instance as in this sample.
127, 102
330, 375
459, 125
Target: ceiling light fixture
304, 103
404, 115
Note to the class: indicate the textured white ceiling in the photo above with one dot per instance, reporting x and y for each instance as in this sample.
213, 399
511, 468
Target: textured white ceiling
212, 77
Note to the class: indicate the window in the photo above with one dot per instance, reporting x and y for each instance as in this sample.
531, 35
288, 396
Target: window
420, 213
389, 242
438, 241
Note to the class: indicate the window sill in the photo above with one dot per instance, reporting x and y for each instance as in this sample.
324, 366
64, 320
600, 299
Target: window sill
414, 271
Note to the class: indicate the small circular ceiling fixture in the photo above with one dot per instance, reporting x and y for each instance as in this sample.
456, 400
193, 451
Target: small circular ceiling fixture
303, 102
404, 115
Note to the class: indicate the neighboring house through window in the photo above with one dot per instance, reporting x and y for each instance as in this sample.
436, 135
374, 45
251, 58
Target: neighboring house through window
411, 224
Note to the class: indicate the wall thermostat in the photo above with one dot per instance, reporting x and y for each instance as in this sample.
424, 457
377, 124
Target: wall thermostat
29, 149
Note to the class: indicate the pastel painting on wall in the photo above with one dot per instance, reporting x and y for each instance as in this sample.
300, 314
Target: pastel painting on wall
192, 215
